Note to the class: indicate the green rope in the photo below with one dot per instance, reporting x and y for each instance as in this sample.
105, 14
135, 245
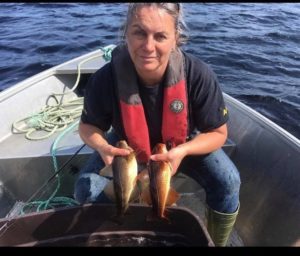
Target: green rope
54, 118
107, 51
64, 200
53, 201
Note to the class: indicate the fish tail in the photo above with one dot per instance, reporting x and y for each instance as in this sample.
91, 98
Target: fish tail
152, 217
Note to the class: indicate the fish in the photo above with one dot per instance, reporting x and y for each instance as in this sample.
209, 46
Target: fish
125, 170
161, 193
142, 181
141, 191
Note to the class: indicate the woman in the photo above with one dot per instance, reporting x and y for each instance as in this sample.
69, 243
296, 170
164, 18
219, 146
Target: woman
153, 92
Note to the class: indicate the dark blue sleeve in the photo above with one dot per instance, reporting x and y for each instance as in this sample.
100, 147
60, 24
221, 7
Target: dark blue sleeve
97, 108
207, 102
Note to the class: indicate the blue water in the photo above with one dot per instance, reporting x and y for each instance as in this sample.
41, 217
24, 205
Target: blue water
254, 48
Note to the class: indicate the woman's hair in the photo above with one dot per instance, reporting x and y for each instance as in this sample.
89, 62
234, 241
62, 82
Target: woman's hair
174, 9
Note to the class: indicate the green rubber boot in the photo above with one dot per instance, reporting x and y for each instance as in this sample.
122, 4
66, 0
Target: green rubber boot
220, 225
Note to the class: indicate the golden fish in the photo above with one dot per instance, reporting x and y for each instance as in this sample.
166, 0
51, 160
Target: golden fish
124, 169
142, 182
160, 177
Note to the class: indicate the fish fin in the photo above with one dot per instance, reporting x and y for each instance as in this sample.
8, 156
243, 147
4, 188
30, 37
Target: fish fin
143, 173
173, 196
106, 171
165, 217
135, 194
146, 196
143, 176
142, 184
109, 191
135, 180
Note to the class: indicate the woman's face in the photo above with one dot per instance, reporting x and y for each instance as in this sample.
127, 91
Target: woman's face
150, 38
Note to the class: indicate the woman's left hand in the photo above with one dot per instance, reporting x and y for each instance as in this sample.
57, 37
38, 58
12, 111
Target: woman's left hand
174, 156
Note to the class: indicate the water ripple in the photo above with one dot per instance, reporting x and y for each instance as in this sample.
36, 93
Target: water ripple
253, 47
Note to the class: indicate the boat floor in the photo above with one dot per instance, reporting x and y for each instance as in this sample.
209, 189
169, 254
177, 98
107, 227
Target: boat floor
196, 203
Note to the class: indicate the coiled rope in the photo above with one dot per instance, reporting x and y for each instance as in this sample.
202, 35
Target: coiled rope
56, 117
51, 119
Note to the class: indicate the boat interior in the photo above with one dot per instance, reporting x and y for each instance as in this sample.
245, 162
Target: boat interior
266, 156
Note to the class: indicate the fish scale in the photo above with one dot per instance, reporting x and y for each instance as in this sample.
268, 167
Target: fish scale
160, 177
125, 171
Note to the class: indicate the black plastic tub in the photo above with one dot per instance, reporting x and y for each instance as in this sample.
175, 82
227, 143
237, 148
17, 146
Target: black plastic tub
93, 225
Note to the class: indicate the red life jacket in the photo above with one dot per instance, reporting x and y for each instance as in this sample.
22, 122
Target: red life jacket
175, 112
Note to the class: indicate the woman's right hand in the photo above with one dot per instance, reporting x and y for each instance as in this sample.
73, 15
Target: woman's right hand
94, 137
108, 152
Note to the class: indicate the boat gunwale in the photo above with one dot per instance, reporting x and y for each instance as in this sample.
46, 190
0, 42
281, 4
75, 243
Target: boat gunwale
261, 119
24, 84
